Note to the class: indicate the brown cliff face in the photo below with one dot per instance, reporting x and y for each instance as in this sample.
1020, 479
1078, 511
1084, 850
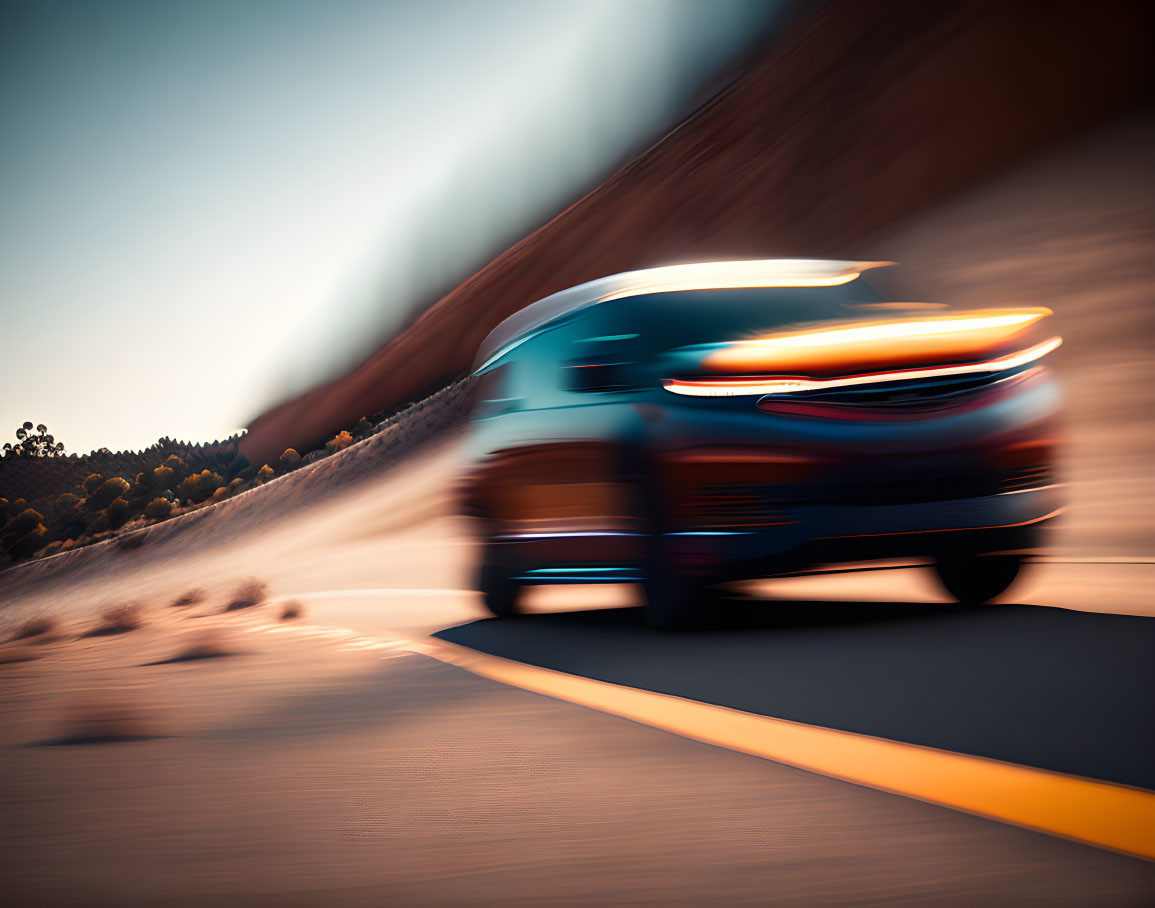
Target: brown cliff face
865, 114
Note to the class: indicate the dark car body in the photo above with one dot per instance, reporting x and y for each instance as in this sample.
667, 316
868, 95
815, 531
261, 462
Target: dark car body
685, 426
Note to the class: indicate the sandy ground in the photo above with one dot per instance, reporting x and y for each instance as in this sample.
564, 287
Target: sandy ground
300, 771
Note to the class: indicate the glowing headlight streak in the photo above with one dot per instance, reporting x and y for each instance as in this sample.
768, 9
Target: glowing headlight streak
759, 386
865, 344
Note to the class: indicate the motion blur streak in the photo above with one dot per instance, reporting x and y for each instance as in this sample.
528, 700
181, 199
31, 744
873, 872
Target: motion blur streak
916, 337
737, 275
739, 387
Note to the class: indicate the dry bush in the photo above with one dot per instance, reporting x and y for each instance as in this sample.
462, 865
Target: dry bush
106, 493
104, 723
199, 486
249, 594
38, 626
158, 508
130, 541
118, 513
339, 442
209, 644
188, 597
120, 619
13, 655
292, 610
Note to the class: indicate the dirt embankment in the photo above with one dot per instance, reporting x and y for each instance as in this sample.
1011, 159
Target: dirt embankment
864, 115
260, 509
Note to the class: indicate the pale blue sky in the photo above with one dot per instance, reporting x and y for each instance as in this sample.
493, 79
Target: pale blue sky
206, 206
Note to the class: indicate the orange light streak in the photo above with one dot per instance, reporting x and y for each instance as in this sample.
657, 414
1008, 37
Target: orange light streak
736, 387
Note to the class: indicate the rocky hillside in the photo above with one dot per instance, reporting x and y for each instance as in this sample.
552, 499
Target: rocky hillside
865, 114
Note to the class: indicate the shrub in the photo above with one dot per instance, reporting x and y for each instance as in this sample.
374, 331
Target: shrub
66, 504
24, 534
264, 474
339, 443
219, 494
207, 644
292, 610
69, 520
249, 594
196, 487
92, 483
117, 513
289, 459
39, 626
106, 493
187, 598
237, 485
100, 723
120, 619
24, 521
25, 545
130, 541
158, 508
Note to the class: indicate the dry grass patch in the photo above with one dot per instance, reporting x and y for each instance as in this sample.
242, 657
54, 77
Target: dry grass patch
39, 626
103, 723
292, 610
187, 598
209, 644
120, 619
13, 655
249, 594
130, 542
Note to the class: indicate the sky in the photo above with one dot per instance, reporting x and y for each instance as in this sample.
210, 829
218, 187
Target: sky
207, 207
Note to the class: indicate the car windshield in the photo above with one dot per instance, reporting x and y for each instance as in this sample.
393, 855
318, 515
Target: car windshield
662, 321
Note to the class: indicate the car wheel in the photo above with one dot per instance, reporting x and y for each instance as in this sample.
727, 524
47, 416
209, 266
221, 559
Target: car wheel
977, 579
497, 580
673, 601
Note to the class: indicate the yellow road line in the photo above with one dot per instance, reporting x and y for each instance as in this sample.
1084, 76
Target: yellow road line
1096, 813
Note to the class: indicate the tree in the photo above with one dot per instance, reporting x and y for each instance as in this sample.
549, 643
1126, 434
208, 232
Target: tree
34, 442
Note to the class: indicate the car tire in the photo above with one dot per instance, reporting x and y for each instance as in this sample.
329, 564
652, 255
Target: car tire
498, 583
976, 579
673, 601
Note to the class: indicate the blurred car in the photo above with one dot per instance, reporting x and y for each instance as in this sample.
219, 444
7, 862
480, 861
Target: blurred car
688, 425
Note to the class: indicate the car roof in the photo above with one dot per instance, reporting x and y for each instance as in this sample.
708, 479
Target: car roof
526, 322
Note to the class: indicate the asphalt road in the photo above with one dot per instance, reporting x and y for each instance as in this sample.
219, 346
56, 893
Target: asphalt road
1067, 691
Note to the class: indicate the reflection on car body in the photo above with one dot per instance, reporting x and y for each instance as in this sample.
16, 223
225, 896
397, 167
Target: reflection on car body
688, 425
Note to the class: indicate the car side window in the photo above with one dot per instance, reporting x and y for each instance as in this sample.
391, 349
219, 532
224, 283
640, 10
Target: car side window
494, 394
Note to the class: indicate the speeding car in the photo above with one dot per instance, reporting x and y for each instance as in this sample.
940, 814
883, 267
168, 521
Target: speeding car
684, 426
